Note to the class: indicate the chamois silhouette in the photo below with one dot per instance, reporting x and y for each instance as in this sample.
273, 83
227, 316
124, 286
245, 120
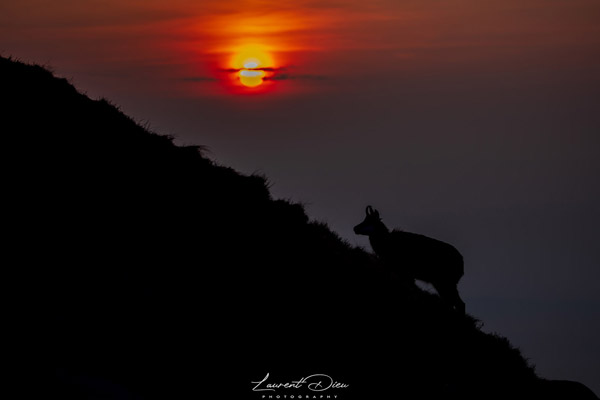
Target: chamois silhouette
419, 257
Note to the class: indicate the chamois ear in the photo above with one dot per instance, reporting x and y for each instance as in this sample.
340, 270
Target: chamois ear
375, 213
369, 210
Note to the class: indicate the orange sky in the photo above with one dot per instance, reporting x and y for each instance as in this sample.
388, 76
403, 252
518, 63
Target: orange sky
341, 40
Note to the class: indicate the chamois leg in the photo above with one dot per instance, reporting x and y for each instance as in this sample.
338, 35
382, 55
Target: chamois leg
449, 293
459, 305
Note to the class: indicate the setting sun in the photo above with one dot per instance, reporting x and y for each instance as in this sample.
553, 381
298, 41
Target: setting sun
252, 56
251, 77
252, 64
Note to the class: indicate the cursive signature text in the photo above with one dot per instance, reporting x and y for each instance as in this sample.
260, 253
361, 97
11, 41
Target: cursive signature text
315, 382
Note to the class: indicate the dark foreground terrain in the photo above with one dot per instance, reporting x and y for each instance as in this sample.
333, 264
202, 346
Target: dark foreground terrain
154, 273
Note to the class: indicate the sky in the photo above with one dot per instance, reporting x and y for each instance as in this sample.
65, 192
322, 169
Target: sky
473, 122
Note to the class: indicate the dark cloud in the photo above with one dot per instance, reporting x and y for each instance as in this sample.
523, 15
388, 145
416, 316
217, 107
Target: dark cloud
285, 77
281, 74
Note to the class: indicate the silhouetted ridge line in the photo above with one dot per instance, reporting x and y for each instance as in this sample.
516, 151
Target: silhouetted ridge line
160, 274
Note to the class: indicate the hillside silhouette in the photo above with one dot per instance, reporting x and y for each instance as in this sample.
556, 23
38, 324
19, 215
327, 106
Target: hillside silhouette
153, 272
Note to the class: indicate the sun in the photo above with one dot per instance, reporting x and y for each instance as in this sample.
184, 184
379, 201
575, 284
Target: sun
252, 64
251, 77
257, 55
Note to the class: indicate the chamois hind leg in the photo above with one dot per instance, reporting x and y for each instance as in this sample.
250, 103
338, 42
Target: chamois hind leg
449, 293
459, 305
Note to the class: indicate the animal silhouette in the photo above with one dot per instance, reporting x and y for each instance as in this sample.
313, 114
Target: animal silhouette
417, 256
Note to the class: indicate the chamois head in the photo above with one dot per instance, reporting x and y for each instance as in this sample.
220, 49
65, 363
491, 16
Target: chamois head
371, 225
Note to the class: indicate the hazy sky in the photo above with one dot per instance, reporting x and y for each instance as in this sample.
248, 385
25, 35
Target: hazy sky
475, 122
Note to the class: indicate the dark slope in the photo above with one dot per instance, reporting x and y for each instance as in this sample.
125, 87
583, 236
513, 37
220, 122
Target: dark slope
156, 273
